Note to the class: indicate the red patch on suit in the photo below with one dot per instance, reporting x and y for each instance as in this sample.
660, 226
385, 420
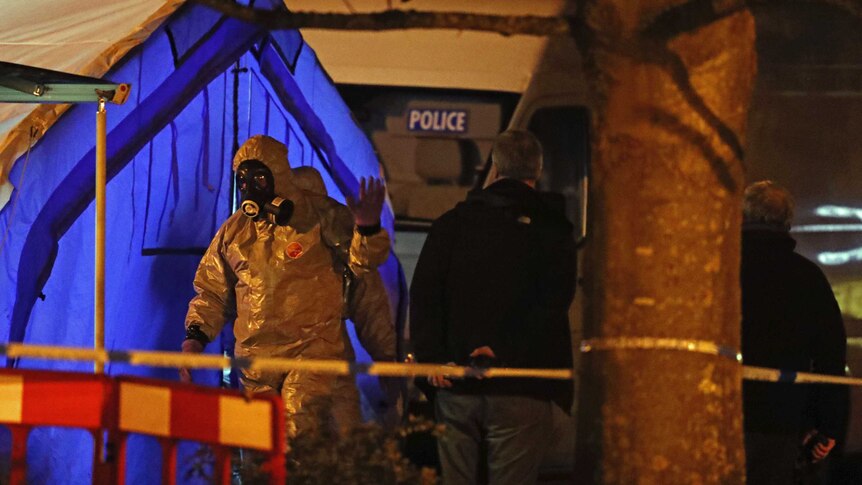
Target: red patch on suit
294, 250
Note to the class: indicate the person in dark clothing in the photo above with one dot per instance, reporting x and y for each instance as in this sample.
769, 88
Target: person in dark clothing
790, 321
493, 286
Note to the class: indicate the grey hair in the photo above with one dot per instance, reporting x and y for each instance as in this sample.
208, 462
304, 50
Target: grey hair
768, 203
517, 154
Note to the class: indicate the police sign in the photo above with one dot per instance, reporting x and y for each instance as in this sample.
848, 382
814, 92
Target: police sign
437, 120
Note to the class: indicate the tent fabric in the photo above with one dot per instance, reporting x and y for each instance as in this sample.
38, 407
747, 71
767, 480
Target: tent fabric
127, 137
84, 37
201, 85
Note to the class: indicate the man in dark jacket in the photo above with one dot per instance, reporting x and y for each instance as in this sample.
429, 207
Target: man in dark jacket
790, 321
493, 284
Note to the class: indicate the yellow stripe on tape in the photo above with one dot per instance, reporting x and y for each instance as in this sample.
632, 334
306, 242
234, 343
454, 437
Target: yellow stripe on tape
395, 369
59, 353
660, 343
178, 359
774, 375
337, 367
561, 374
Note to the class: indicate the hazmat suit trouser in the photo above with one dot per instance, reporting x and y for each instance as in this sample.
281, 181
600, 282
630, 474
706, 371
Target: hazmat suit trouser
310, 400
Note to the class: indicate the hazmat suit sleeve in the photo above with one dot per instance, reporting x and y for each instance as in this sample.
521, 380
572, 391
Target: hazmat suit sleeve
372, 316
367, 252
364, 251
215, 302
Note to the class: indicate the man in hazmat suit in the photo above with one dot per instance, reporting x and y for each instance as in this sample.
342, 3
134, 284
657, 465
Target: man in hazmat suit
277, 268
367, 305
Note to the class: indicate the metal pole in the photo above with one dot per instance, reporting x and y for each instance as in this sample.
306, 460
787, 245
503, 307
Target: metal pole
101, 163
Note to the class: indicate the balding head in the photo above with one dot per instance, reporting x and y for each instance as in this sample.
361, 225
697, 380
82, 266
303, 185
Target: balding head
517, 154
768, 203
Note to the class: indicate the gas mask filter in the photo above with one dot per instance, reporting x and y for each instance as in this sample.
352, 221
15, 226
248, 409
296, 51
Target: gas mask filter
257, 190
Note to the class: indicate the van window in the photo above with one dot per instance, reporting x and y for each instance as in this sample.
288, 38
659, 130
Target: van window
432, 143
565, 136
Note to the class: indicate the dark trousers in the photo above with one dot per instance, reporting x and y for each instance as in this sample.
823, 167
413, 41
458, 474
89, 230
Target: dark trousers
770, 458
515, 430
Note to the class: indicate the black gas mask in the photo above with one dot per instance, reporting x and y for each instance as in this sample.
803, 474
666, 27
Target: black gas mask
257, 188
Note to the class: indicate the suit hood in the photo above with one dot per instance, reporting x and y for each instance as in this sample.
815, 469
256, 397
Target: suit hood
273, 154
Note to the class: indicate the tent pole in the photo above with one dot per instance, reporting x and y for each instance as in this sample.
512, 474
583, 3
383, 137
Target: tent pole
101, 163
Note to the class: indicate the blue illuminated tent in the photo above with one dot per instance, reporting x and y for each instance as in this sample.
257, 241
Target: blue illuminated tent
201, 84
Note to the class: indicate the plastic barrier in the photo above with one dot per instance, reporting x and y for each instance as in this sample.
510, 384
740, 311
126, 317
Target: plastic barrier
222, 419
31, 398
111, 409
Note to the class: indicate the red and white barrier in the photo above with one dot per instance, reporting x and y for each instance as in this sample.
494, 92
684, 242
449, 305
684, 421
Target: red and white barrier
222, 419
117, 407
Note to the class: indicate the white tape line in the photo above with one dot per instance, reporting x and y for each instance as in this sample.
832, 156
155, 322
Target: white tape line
653, 343
394, 369
204, 361
774, 375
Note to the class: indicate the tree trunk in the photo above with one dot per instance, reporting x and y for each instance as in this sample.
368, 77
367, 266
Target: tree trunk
663, 260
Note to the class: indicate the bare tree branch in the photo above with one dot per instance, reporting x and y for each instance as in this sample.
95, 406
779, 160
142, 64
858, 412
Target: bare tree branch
686, 17
695, 14
673, 64
394, 20
349, 6
853, 7
690, 16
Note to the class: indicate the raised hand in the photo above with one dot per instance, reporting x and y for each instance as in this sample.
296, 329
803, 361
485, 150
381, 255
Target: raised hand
366, 208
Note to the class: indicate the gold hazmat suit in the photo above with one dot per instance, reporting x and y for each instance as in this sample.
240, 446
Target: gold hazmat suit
283, 287
368, 306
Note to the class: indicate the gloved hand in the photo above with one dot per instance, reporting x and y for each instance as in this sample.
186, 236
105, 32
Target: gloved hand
366, 208
190, 346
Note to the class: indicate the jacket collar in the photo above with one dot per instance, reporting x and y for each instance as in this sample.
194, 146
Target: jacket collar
766, 237
507, 187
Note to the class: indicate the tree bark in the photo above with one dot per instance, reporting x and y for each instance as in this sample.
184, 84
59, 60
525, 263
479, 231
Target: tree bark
663, 260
